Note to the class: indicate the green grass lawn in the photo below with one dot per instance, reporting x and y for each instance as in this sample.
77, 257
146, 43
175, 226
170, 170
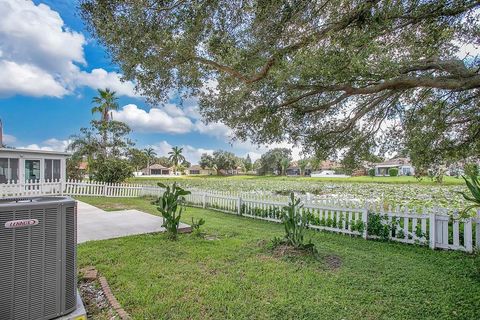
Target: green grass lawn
235, 276
361, 179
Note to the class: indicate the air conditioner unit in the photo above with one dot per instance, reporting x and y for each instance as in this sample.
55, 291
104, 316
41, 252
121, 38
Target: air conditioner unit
37, 257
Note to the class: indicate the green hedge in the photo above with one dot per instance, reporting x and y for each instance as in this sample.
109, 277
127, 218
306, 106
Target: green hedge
393, 172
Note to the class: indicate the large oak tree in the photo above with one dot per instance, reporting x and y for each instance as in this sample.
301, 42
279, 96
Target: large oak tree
326, 74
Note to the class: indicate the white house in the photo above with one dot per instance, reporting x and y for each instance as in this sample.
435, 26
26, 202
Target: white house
23, 165
402, 164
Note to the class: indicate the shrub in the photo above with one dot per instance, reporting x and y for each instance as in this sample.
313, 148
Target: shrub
196, 224
171, 204
371, 172
393, 172
473, 186
112, 170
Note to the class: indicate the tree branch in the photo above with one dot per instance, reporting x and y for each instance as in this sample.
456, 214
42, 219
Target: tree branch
315, 37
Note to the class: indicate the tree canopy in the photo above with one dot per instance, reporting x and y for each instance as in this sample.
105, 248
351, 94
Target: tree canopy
105, 158
220, 160
275, 161
328, 75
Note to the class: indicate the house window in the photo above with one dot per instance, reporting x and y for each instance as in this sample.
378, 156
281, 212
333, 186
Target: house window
52, 170
8, 169
194, 171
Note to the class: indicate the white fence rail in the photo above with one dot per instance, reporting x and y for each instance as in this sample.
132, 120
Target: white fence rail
435, 227
77, 188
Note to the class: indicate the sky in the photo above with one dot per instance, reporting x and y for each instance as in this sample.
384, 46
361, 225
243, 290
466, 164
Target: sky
51, 67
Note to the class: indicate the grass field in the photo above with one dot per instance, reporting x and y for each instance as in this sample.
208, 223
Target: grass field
235, 276
447, 181
388, 190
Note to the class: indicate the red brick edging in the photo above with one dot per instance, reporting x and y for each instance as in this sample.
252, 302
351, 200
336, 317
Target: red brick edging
112, 300
90, 273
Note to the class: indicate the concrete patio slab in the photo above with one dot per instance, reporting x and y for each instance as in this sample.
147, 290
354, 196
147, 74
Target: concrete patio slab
96, 224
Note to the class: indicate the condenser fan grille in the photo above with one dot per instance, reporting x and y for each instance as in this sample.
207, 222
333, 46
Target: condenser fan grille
38, 268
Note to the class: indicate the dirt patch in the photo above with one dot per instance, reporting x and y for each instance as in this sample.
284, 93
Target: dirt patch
284, 250
262, 243
95, 301
333, 262
305, 256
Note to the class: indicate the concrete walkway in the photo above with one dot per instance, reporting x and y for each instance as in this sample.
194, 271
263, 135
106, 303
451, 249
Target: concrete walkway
97, 224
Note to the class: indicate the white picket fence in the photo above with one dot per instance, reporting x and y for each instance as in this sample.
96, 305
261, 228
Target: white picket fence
436, 227
77, 188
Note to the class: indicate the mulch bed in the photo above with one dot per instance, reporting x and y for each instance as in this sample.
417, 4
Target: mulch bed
95, 301
99, 301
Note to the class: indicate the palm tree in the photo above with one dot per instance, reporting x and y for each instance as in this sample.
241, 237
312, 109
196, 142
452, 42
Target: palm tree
85, 145
284, 163
176, 157
302, 164
150, 156
105, 102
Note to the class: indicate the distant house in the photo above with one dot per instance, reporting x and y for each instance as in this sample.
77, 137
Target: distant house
198, 170
294, 168
82, 167
330, 165
231, 172
402, 164
157, 170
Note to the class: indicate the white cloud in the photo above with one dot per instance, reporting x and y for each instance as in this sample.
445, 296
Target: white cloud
255, 152
9, 139
51, 144
39, 55
170, 119
215, 129
466, 50
160, 120
101, 79
193, 154
173, 110
161, 148
27, 80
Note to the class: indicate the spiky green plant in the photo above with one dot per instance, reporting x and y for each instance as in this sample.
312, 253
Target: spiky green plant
295, 224
473, 186
196, 224
171, 204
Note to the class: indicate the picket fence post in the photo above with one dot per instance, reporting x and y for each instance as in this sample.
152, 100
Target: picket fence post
204, 200
467, 233
309, 198
365, 223
432, 229
104, 189
477, 230
239, 205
